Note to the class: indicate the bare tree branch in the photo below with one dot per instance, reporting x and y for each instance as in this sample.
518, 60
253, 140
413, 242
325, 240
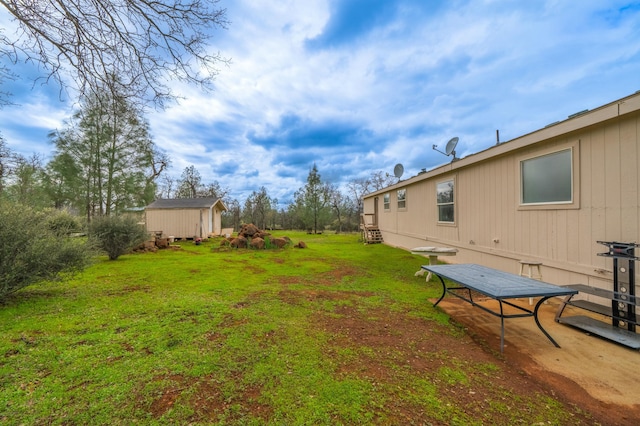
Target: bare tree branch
144, 43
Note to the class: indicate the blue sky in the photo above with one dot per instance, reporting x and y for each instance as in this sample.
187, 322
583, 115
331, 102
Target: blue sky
356, 86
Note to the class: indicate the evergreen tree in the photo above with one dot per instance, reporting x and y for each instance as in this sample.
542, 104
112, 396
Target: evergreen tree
312, 202
107, 151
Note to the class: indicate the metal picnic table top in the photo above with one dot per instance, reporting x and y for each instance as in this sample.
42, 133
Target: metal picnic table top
497, 285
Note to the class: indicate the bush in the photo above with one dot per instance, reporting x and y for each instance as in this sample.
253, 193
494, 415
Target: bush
31, 251
62, 223
116, 235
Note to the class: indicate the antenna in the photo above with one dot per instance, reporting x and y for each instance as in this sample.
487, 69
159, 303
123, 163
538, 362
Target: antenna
398, 170
449, 149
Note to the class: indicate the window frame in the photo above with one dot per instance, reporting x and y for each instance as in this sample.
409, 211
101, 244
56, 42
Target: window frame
386, 201
452, 203
574, 203
403, 200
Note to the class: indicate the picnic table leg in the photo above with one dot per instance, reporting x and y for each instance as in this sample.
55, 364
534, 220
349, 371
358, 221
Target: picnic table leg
444, 290
501, 328
535, 316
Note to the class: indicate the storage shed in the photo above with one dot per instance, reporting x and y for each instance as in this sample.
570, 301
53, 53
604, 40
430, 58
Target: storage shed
185, 217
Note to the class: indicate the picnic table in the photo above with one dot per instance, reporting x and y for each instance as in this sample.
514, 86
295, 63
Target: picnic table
500, 286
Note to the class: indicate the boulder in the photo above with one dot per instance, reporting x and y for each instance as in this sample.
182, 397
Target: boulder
248, 230
301, 244
239, 242
257, 243
261, 234
280, 242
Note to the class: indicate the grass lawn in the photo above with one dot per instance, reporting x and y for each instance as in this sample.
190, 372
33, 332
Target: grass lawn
338, 333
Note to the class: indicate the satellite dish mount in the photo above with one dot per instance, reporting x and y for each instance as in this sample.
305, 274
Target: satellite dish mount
450, 148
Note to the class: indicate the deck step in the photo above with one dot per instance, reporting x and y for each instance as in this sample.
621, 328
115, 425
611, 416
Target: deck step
372, 235
602, 329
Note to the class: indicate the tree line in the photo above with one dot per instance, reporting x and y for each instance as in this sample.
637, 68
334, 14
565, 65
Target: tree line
117, 58
105, 163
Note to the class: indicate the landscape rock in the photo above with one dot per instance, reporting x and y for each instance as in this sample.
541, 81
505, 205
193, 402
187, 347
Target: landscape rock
280, 242
248, 230
239, 242
250, 236
258, 243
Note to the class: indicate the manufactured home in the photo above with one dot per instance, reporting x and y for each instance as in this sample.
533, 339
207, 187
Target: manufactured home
184, 218
548, 197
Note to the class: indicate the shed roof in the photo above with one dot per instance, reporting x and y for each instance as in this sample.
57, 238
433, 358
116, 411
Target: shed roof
186, 203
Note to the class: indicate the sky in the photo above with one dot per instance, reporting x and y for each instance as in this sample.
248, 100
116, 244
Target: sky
358, 86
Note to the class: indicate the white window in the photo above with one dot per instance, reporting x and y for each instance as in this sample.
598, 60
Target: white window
547, 179
387, 201
402, 198
445, 201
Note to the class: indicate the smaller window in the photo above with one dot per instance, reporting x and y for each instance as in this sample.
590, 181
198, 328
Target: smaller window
402, 198
445, 201
387, 201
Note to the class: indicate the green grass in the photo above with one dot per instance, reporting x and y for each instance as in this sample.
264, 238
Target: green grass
334, 334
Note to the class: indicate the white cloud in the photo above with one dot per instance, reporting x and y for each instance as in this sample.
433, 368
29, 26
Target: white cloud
390, 88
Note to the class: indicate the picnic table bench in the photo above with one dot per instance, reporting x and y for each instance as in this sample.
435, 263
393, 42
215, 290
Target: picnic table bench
432, 254
500, 286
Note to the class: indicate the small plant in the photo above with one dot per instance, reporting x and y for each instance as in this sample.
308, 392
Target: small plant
116, 235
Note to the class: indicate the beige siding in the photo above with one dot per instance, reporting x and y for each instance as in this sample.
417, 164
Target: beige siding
217, 221
179, 223
492, 228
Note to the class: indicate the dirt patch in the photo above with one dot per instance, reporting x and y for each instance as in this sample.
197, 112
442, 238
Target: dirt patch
327, 278
207, 398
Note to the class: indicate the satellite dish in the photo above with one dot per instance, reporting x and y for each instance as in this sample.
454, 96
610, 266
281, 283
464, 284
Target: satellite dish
450, 148
398, 170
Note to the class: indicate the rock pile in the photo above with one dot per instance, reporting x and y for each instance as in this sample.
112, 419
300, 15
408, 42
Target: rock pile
152, 245
250, 236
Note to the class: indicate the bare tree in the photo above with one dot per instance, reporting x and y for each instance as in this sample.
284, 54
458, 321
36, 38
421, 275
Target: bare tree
165, 186
358, 188
145, 43
381, 180
190, 183
214, 189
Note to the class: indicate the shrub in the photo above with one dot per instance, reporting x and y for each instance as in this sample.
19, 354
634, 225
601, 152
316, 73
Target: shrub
116, 235
62, 223
31, 251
